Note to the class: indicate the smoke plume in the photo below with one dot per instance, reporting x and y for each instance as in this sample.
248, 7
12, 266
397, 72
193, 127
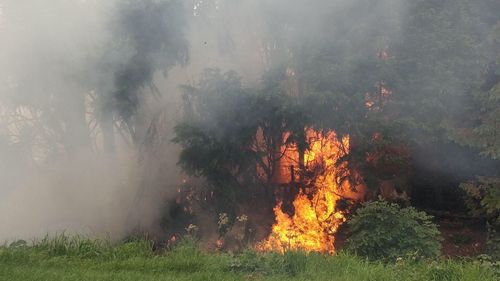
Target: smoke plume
89, 93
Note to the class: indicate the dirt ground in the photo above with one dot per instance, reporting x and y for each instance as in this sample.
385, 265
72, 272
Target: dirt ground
462, 238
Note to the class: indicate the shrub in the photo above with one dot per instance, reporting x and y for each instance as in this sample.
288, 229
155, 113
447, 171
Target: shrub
64, 245
381, 230
290, 263
186, 256
483, 199
133, 248
248, 261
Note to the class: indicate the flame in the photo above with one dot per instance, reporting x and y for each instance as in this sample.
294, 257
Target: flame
316, 218
219, 244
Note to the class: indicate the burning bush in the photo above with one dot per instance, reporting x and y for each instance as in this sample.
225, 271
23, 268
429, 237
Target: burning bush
381, 230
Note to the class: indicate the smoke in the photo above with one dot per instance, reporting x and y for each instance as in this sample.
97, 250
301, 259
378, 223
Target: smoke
50, 180
60, 72
77, 197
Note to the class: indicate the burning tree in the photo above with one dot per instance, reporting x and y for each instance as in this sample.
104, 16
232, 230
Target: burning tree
259, 143
231, 136
317, 210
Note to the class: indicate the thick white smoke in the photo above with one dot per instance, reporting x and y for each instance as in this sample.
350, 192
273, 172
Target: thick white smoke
57, 57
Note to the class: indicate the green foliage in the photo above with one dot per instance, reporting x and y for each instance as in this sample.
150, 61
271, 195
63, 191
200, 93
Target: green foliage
230, 135
187, 262
133, 248
481, 131
153, 32
483, 199
483, 196
64, 245
289, 263
381, 230
427, 54
186, 256
493, 242
247, 261
214, 135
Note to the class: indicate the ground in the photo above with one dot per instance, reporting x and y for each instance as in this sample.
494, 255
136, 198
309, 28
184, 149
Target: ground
86, 260
462, 238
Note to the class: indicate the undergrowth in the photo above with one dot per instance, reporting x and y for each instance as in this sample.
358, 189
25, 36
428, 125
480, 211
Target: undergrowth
79, 258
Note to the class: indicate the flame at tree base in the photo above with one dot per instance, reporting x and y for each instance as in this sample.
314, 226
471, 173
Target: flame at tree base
304, 230
316, 218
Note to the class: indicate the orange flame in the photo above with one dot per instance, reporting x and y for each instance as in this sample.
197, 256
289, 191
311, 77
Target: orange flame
316, 218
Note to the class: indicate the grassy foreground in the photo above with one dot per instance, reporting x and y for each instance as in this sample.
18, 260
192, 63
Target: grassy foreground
73, 258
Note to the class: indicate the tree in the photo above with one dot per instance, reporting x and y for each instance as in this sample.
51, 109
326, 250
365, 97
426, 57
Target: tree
232, 136
153, 33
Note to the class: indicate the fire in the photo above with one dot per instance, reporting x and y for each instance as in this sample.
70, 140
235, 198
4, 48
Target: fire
316, 217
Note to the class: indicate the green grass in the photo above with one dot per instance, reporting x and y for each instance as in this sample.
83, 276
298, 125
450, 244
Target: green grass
77, 258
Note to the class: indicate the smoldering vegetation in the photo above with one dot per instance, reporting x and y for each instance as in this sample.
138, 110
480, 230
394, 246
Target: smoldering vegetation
90, 97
